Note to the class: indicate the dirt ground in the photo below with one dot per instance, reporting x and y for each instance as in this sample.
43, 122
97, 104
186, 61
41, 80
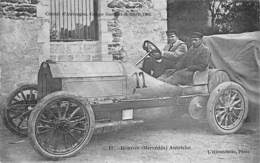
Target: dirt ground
172, 137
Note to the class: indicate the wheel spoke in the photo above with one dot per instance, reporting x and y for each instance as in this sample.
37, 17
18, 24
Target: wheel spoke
78, 129
27, 117
49, 137
16, 116
237, 108
23, 114
226, 119
59, 109
23, 95
65, 141
55, 141
44, 129
18, 96
74, 112
14, 106
72, 136
220, 107
66, 110
219, 113
15, 100
222, 119
26, 113
52, 113
19, 124
15, 111
46, 121
236, 102
31, 95
233, 116
78, 120
221, 100
229, 95
233, 98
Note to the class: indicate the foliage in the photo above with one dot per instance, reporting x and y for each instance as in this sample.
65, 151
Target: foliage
234, 16
187, 16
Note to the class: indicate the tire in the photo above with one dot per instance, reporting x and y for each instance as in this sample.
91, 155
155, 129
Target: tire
227, 103
197, 108
217, 77
18, 108
57, 121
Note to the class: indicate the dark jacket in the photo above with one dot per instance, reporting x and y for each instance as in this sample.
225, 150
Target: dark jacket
197, 59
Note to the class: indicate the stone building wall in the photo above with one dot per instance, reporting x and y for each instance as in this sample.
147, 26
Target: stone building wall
123, 26
25, 37
19, 52
24, 43
20, 47
18, 9
137, 21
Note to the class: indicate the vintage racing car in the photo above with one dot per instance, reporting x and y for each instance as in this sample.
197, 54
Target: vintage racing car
72, 99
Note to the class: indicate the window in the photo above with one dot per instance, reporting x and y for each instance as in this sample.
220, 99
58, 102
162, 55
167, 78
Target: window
74, 20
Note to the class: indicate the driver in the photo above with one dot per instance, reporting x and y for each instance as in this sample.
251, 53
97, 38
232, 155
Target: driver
172, 52
197, 59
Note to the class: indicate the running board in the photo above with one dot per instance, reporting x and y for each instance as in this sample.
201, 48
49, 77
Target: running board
117, 123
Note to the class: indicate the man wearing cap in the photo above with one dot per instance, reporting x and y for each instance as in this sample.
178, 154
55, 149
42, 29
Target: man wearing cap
175, 48
197, 59
172, 52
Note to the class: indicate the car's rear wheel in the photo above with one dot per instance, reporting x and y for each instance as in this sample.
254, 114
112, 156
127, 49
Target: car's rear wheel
227, 108
18, 108
61, 125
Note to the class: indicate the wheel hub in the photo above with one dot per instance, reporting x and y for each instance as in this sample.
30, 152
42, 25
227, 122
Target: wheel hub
61, 124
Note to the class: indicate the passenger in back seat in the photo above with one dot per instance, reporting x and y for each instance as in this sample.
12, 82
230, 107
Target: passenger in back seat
197, 59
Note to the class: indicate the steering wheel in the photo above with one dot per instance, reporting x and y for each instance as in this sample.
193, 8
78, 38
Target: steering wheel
148, 46
151, 49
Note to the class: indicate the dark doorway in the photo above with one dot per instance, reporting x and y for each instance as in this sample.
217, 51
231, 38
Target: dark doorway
186, 16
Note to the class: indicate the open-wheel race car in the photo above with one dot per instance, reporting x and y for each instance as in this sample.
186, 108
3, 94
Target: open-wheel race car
72, 99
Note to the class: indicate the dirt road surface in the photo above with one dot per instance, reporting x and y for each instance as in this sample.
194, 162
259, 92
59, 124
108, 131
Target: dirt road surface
172, 138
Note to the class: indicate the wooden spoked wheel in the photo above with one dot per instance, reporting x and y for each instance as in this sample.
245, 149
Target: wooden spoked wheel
60, 125
19, 106
227, 108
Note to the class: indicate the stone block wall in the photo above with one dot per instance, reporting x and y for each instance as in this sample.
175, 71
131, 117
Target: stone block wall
75, 51
19, 51
123, 26
22, 44
18, 9
132, 22
25, 37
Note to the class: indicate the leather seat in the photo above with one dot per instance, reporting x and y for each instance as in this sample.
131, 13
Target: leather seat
201, 77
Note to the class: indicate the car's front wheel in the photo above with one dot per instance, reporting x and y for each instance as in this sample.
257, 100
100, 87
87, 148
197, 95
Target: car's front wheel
60, 125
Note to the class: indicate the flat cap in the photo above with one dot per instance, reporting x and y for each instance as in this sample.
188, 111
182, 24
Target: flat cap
171, 32
196, 35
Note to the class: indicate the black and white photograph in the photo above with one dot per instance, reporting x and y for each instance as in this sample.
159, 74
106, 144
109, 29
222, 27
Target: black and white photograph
130, 81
